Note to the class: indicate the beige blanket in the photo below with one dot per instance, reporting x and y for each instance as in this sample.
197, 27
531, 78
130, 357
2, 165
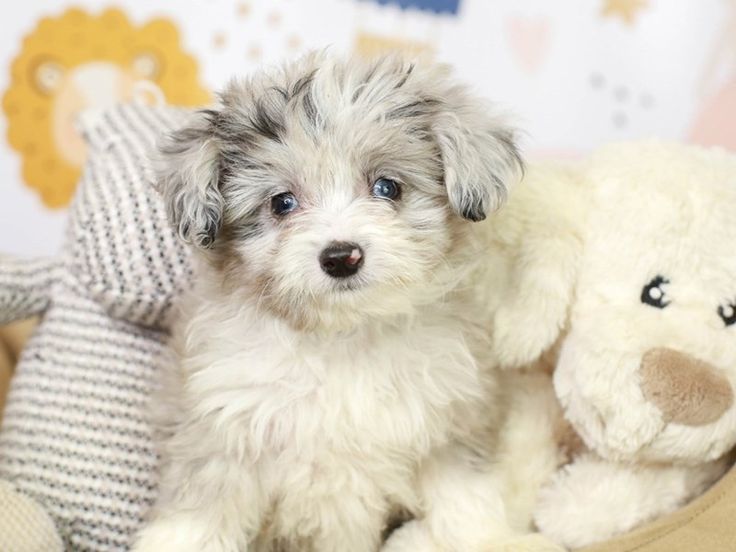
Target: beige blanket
12, 338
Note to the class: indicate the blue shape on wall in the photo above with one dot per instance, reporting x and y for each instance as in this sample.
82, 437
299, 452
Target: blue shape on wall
437, 6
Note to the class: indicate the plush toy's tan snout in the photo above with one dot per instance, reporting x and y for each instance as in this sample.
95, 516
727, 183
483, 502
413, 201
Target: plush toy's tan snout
686, 390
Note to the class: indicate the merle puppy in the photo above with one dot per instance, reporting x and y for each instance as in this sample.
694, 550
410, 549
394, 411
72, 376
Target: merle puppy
330, 372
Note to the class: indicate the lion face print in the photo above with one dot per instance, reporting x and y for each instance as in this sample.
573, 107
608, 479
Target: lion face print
77, 61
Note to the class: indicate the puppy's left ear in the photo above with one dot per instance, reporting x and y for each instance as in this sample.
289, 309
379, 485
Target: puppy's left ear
480, 158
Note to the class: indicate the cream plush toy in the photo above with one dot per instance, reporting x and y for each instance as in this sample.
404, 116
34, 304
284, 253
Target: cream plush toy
623, 283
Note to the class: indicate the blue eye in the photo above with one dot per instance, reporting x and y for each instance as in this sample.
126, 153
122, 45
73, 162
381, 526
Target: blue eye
386, 188
283, 203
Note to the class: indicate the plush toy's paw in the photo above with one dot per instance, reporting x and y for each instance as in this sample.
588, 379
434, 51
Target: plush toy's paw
24, 524
568, 517
182, 534
518, 341
591, 500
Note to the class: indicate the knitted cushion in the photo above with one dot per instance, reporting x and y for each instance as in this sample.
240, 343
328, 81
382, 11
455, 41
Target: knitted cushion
124, 250
76, 438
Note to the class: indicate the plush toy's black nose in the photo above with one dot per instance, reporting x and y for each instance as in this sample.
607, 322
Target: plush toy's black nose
341, 259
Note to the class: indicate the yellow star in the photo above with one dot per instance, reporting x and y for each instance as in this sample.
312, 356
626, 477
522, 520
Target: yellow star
625, 9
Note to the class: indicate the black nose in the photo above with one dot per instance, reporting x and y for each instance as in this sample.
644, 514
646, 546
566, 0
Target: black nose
341, 259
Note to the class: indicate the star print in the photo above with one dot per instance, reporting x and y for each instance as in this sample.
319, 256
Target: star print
626, 10
219, 40
243, 10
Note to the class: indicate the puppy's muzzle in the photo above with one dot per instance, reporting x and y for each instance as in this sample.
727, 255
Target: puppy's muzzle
341, 259
685, 389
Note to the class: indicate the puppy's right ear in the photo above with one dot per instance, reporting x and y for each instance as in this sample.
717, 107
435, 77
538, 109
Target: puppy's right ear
479, 154
188, 172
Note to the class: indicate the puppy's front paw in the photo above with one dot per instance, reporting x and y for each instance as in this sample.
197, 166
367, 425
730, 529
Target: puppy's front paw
410, 537
414, 537
182, 534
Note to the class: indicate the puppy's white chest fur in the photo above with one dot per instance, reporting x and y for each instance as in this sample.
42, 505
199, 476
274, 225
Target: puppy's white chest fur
320, 416
286, 391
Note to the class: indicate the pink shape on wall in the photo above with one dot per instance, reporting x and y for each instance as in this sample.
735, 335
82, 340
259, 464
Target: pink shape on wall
715, 124
529, 40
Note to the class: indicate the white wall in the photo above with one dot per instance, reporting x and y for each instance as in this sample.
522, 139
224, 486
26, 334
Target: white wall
575, 74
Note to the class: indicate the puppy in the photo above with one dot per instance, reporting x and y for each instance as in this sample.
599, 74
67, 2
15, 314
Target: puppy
330, 357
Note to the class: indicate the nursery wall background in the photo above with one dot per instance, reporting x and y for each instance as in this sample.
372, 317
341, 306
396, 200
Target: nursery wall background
575, 72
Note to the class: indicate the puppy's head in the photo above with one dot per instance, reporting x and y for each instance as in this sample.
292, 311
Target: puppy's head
334, 189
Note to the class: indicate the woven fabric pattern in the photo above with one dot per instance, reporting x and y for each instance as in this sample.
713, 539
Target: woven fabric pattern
76, 436
25, 284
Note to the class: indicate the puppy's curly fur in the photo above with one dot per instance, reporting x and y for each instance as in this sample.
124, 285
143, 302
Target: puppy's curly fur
307, 410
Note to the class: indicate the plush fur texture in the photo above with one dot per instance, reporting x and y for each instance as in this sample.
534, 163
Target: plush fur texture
643, 258
311, 413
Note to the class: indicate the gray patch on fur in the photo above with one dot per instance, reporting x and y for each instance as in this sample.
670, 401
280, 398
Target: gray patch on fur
406, 76
422, 107
267, 119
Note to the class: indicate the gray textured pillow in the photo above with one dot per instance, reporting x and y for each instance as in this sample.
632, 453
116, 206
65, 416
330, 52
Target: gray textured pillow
76, 439
122, 247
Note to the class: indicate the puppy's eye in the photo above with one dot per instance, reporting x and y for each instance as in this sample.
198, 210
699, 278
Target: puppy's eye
727, 313
283, 204
386, 188
653, 293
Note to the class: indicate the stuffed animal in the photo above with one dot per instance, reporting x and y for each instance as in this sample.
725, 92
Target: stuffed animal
77, 461
623, 283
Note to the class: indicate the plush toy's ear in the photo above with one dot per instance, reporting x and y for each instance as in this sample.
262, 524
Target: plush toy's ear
479, 155
547, 213
188, 171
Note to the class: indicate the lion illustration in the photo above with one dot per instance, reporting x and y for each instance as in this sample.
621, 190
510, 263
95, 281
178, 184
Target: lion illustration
79, 60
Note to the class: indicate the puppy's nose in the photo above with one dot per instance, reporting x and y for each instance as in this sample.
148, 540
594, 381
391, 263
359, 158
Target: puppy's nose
341, 259
685, 389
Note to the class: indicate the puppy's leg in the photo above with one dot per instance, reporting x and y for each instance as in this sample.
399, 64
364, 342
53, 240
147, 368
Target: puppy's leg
533, 443
592, 499
463, 509
348, 522
207, 504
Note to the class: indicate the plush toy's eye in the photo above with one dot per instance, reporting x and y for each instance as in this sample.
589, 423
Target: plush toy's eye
386, 188
653, 294
283, 204
727, 313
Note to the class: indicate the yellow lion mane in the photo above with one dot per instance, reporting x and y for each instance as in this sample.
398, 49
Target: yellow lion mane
68, 41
